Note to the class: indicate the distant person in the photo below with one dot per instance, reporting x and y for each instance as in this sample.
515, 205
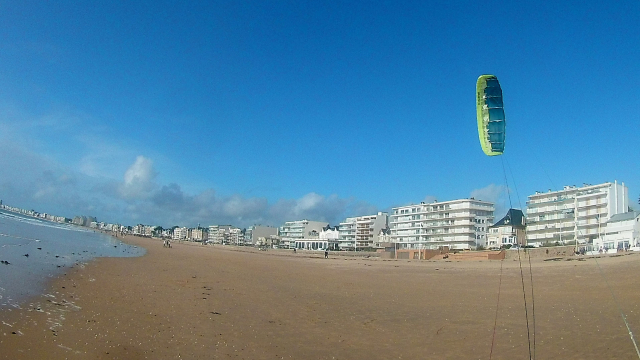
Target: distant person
294, 250
326, 254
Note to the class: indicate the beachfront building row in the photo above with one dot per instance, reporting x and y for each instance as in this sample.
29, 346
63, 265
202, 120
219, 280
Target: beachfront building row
457, 224
574, 213
362, 232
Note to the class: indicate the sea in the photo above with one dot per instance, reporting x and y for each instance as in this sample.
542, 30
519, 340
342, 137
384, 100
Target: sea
34, 251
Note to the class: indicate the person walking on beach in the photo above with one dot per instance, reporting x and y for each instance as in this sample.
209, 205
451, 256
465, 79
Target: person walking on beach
326, 254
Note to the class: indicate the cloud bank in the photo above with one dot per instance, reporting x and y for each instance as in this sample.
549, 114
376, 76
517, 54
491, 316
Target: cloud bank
34, 181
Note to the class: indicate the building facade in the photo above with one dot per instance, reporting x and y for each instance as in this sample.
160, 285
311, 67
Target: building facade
199, 234
574, 213
509, 231
362, 232
255, 232
298, 230
457, 224
180, 233
219, 234
621, 233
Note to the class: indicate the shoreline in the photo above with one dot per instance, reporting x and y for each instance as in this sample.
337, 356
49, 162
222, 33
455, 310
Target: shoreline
211, 302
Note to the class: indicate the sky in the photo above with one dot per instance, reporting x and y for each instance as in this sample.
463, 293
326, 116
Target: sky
259, 112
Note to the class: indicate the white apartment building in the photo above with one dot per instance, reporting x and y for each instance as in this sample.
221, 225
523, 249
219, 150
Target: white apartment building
219, 234
300, 229
235, 236
459, 224
574, 212
180, 233
362, 232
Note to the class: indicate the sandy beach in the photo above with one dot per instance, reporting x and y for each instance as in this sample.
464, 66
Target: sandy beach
217, 302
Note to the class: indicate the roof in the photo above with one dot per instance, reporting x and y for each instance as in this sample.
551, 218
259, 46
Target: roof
514, 217
624, 216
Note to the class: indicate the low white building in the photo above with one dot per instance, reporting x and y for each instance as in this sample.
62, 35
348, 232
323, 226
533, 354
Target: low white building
326, 240
298, 230
622, 231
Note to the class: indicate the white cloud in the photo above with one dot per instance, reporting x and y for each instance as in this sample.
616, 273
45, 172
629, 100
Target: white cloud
429, 199
139, 179
490, 192
497, 194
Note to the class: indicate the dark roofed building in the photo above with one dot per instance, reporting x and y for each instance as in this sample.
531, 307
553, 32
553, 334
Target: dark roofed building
508, 231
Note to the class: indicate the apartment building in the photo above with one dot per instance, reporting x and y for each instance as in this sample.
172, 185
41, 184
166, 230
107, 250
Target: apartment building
180, 233
235, 236
199, 234
574, 212
255, 232
299, 229
361, 232
458, 224
219, 234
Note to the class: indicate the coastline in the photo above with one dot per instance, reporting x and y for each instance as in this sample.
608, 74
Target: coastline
216, 302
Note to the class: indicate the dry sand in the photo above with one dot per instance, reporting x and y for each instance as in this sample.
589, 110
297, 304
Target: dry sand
198, 302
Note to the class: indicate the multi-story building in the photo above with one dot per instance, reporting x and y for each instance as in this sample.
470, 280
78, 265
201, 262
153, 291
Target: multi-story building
225, 234
300, 229
218, 234
253, 233
180, 233
235, 236
362, 232
458, 224
509, 231
574, 213
199, 234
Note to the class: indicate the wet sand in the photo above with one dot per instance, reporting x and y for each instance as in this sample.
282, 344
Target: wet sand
197, 302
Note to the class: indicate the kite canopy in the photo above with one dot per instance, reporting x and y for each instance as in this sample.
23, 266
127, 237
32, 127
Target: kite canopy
491, 121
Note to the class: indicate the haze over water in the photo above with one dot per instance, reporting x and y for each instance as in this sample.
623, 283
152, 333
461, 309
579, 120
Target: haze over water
51, 248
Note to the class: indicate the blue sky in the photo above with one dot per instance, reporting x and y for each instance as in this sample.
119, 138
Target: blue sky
260, 112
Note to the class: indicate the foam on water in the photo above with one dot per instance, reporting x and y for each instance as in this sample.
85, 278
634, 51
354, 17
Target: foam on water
51, 249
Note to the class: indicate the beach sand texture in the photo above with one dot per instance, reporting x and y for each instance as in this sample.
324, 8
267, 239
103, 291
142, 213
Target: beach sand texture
201, 302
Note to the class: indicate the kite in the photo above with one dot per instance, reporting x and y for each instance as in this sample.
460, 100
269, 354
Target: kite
490, 111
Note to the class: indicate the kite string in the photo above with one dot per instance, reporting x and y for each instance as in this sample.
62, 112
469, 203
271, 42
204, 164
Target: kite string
533, 302
524, 292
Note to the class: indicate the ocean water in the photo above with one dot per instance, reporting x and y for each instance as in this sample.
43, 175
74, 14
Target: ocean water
38, 250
